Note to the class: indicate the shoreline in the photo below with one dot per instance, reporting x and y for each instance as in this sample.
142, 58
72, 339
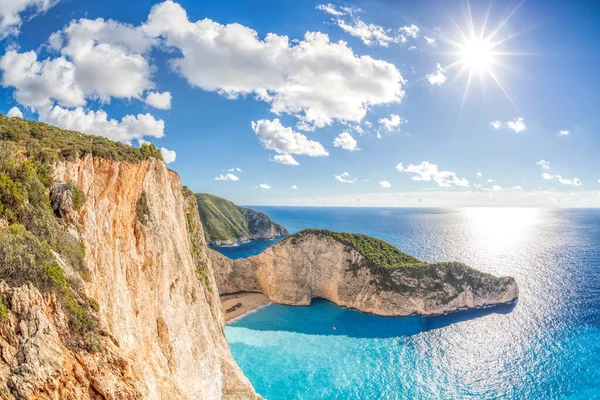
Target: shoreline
249, 302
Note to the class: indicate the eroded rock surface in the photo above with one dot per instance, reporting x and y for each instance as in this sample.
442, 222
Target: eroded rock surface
160, 322
307, 266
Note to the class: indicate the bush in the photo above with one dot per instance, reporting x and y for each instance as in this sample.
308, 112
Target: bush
4, 312
94, 305
77, 196
141, 208
23, 258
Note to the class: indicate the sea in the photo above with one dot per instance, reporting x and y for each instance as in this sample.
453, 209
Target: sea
545, 346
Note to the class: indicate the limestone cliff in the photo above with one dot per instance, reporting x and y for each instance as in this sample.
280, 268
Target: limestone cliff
226, 224
160, 322
315, 264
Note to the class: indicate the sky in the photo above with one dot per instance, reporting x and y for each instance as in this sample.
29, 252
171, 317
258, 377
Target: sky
354, 103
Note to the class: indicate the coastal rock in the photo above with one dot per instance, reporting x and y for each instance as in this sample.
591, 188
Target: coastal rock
35, 363
314, 265
159, 317
226, 224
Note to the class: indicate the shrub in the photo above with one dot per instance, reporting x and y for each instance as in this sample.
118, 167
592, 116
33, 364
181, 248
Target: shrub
94, 305
78, 197
4, 312
141, 208
80, 319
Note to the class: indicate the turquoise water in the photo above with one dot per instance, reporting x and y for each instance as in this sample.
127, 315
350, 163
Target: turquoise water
547, 346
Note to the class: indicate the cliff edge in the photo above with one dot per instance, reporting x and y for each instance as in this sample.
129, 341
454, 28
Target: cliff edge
359, 272
106, 290
226, 223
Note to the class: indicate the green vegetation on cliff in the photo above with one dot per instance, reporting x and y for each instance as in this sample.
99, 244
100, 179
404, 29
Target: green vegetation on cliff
47, 144
376, 251
384, 259
33, 238
223, 221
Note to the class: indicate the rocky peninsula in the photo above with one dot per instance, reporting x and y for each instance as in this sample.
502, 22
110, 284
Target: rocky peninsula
359, 272
226, 223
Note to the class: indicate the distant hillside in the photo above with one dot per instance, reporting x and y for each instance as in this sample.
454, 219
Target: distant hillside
225, 223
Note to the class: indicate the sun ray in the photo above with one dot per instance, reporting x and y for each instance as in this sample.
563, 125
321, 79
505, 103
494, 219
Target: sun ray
505, 21
504, 90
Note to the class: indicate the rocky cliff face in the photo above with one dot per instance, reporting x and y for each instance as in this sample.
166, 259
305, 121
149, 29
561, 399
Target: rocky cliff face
160, 323
307, 266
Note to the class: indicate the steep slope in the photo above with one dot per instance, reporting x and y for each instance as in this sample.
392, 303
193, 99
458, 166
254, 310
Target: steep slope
226, 224
139, 318
359, 272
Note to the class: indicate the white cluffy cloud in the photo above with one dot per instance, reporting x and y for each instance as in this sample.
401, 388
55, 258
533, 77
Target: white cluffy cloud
11, 13
564, 181
314, 79
369, 33
97, 123
543, 164
547, 176
14, 112
479, 174
427, 171
392, 122
430, 41
227, 178
437, 77
563, 132
159, 100
168, 156
294, 187
347, 19
96, 60
263, 186
385, 185
517, 125
235, 169
345, 177
345, 141
283, 140
285, 159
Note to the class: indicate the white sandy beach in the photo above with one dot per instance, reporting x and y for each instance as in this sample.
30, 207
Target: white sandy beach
249, 301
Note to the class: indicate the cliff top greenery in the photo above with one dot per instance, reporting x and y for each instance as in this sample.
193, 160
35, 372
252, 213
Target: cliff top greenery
48, 144
376, 251
223, 220
32, 235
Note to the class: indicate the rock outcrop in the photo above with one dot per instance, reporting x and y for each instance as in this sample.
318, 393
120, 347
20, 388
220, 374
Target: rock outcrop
312, 264
227, 224
160, 322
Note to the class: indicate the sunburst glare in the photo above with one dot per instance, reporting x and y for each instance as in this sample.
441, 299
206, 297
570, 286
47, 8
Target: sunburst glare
476, 51
477, 54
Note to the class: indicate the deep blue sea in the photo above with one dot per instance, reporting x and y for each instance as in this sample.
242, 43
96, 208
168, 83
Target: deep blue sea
547, 346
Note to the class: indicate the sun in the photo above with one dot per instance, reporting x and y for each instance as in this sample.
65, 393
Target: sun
479, 51
477, 54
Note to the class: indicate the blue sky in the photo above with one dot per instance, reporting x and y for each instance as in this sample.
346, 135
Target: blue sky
313, 103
